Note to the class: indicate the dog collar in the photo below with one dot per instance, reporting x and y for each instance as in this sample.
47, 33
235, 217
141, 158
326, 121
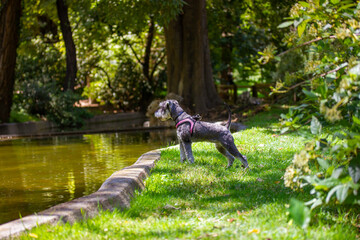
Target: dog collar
187, 120
178, 115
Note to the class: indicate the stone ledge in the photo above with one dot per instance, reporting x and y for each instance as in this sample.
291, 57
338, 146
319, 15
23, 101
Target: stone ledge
116, 192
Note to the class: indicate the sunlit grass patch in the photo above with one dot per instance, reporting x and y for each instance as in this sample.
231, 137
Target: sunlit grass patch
206, 200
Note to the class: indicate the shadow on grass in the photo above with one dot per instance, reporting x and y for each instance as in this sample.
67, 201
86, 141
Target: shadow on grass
208, 186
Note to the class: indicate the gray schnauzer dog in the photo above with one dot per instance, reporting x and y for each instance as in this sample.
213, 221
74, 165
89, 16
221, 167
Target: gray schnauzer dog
190, 129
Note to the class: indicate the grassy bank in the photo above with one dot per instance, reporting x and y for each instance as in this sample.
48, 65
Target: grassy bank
205, 201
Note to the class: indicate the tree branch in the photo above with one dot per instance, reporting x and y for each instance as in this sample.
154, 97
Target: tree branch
317, 76
134, 52
107, 76
156, 65
308, 43
304, 44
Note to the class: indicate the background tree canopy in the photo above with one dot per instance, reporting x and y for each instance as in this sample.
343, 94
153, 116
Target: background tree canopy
115, 52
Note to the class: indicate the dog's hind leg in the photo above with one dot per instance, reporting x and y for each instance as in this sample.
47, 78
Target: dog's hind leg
188, 151
224, 152
229, 145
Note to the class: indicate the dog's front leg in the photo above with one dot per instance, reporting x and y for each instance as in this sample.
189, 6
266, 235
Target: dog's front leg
188, 151
182, 151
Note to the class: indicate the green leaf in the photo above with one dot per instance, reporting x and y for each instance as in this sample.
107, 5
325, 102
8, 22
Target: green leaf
283, 116
299, 213
286, 24
284, 130
323, 163
331, 193
326, 184
347, 6
302, 26
355, 70
334, 1
342, 192
315, 126
354, 169
304, 4
337, 172
356, 120
354, 172
310, 94
314, 203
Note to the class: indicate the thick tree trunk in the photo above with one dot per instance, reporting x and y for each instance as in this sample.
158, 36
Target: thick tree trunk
188, 58
71, 67
10, 11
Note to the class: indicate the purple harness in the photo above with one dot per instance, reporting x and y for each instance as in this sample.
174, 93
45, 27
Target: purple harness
189, 120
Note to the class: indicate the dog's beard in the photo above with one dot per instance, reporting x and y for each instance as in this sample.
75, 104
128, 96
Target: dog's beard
162, 115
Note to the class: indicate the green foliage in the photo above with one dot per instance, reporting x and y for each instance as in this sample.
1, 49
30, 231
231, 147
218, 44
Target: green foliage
39, 72
110, 48
299, 213
237, 32
126, 86
329, 165
124, 90
113, 51
19, 116
132, 16
61, 110
47, 101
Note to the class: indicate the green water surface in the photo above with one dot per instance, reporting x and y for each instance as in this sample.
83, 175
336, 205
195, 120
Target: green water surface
36, 174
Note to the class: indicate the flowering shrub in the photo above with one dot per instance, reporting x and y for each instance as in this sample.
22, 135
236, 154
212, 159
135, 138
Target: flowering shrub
327, 35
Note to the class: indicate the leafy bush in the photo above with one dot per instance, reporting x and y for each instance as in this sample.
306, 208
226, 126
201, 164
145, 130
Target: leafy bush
128, 89
38, 85
61, 110
327, 32
124, 90
50, 102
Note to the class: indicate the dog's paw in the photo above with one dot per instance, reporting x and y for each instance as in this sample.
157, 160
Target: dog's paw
246, 168
229, 165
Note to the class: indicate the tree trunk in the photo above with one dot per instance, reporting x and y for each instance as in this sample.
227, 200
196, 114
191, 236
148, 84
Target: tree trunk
71, 67
149, 40
10, 11
188, 58
147, 96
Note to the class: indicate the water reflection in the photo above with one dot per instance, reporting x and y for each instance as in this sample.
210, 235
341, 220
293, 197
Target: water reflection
38, 173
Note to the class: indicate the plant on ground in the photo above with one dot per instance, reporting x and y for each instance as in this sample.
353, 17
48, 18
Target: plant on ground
327, 33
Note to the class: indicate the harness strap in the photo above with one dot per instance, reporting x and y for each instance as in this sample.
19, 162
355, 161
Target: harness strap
187, 120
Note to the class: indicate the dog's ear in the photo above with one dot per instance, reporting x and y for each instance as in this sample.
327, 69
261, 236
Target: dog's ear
168, 105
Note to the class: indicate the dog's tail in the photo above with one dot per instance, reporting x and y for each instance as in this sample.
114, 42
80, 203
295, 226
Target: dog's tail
229, 116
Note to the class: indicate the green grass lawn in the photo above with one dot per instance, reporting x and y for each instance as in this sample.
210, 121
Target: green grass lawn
206, 201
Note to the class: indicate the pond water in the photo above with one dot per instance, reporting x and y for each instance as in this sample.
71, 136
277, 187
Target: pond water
36, 174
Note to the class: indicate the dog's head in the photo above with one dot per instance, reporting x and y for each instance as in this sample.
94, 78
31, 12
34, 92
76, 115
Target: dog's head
151, 109
165, 109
